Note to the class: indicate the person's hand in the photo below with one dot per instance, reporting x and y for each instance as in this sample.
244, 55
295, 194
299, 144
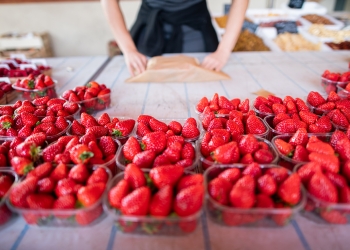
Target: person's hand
135, 61
216, 60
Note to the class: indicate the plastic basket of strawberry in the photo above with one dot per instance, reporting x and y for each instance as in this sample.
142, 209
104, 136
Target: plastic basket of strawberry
320, 104
187, 128
60, 196
236, 123
119, 128
344, 91
87, 149
328, 193
273, 105
331, 80
284, 124
7, 180
165, 200
156, 149
92, 97
33, 87
221, 105
340, 116
214, 149
253, 195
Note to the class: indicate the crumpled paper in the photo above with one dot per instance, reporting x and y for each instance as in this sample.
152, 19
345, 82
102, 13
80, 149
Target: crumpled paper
177, 69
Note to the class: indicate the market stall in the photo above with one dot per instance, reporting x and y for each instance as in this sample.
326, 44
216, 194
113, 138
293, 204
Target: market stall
294, 74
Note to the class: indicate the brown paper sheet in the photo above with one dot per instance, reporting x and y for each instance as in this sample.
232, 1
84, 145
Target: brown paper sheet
263, 93
177, 69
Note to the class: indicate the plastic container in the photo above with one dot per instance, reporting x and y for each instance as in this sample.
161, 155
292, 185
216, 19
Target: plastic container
342, 92
182, 121
323, 212
316, 110
289, 162
31, 94
63, 217
148, 225
5, 213
121, 161
93, 105
329, 85
205, 164
262, 115
252, 217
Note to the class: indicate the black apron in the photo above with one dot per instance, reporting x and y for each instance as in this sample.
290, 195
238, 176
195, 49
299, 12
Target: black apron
150, 21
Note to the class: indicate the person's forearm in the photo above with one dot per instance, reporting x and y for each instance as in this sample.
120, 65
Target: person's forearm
116, 21
234, 25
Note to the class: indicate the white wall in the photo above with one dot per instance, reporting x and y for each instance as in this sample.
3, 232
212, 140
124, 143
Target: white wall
80, 28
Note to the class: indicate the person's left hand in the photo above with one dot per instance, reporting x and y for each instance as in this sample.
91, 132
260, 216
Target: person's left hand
216, 60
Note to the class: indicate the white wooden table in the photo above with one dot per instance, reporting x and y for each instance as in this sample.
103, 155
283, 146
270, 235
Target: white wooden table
283, 74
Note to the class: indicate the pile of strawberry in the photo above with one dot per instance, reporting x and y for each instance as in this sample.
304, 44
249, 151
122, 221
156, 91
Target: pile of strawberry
17, 120
35, 82
254, 187
216, 147
165, 191
52, 189
93, 96
15, 71
6, 182
147, 124
5, 87
84, 150
102, 126
236, 123
222, 105
157, 149
273, 105
336, 77
328, 187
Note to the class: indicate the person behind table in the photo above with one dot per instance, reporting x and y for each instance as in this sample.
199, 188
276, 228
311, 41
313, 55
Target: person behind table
174, 26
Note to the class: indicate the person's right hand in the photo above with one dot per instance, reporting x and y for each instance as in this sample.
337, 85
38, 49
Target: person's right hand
135, 61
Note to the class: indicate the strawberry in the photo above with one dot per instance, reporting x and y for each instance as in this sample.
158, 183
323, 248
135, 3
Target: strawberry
137, 202
60, 172
244, 106
259, 101
215, 142
214, 102
20, 192
338, 180
263, 108
155, 141
289, 190
299, 138
46, 185
226, 154
190, 130
97, 131
165, 175
308, 117
219, 189
70, 107
287, 126
98, 175
176, 127
340, 119
185, 163
124, 128
107, 145
188, 151
117, 193
231, 175
21, 165
173, 152
249, 144
278, 108
283, 147
134, 176
333, 97
79, 173
300, 154
346, 170
90, 194
343, 149
61, 123
267, 185
253, 170
203, 102
320, 147
7, 110
80, 154
157, 125
308, 170
263, 156
254, 125
87, 138
29, 119
291, 107
144, 159
334, 217
282, 219
188, 201
322, 188
161, 202
65, 187
189, 180
87, 120
40, 201
144, 119
242, 195
38, 139
327, 162
5, 184
326, 106
279, 117
274, 99
344, 194
214, 124
315, 99
43, 170
64, 202
94, 148
77, 128
72, 143
142, 129
161, 160
28, 150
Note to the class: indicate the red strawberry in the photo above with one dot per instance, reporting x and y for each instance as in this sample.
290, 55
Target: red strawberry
308, 170
190, 180
98, 175
28, 150
142, 129
104, 119
79, 173
94, 148
176, 127
77, 128
338, 180
29, 119
334, 217
226, 154
144, 119
259, 101
117, 193
287, 126
124, 128
60, 172
165, 175
144, 159
20, 192
308, 117
21, 165
87, 138
64, 202
242, 193
46, 185
249, 144
219, 189
155, 141
62, 158
322, 188
284, 147
299, 138
161, 202
279, 174
346, 170
131, 148
157, 125
300, 154
289, 190
188, 201
97, 131
278, 108
90, 194
188, 151
244, 106
38, 139
80, 154
161, 160
315, 99
134, 176
137, 202
40, 201
282, 219
190, 131
5, 184
231, 175
87, 120
43, 170
204, 102
253, 170
107, 145
254, 125
327, 162
320, 147
263, 156
267, 185
65, 187
340, 119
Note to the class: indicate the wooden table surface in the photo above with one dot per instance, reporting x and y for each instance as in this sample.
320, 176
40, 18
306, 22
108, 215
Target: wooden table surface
281, 73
